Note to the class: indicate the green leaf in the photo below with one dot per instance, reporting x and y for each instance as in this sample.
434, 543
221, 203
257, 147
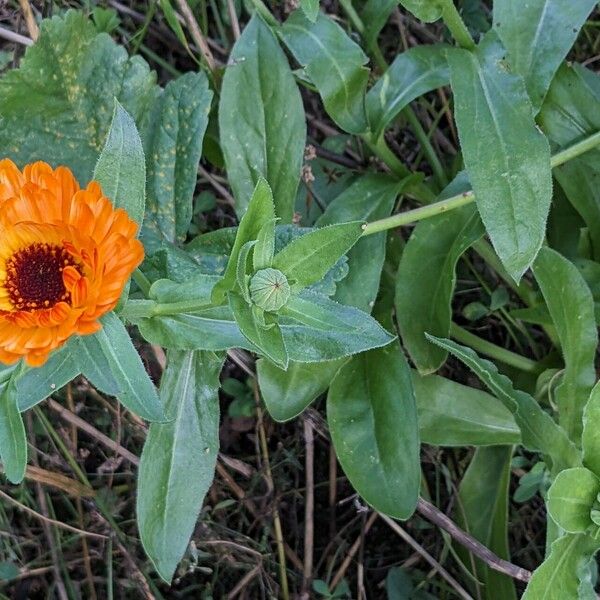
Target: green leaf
590, 439
111, 362
334, 64
427, 277
412, 74
507, 157
35, 384
267, 338
58, 105
265, 247
173, 144
537, 36
564, 571
571, 497
375, 14
179, 457
121, 170
425, 10
539, 432
174, 24
483, 512
307, 259
288, 393
369, 198
242, 270
451, 414
13, 441
320, 329
261, 120
310, 8
373, 423
260, 211
571, 307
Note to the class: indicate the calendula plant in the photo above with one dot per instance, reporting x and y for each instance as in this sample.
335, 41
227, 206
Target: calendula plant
315, 281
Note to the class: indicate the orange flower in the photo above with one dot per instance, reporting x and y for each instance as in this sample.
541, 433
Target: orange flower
65, 257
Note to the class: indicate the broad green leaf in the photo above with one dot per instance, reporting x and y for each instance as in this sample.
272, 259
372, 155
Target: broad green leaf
564, 571
307, 259
412, 74
538, 431
451, 414
590, 439
427, 277
13, 441
375, 14
506, 156
571, 497
111, 362
568, 112
121, 170
320, 329
537, 35
373, 423
173, 144
259, 211
335, 65
310, 8
482, 511
288, 393
267, 338
369, 198
58, 105
571, 306
264, 251
425, 10
178, 460
261, 120
34, 384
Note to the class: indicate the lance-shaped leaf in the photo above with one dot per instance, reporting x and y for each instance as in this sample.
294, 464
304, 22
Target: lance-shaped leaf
310, 9
566, 572
318, 329
121, 170
111, 362
13, 442
375, 14
372, 417
412, 74
537, 36
261, 120
61, 108
571, 497
178, 461
427, 277
334, 64
538, 431
34, 384
260, 212
483, 512
173, 144
308, 258
452, 414
506, 156
265, 336
571, 307
288, 393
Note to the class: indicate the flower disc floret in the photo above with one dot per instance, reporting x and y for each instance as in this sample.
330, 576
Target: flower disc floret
269, 289
65, 256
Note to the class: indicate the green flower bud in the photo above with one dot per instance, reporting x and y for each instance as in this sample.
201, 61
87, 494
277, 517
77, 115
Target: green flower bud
269, 289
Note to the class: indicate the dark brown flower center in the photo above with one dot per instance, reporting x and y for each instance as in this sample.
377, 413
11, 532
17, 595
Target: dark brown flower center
34, 276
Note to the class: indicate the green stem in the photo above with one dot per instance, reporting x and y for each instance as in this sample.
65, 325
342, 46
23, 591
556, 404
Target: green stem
418, 214
491, 350
457, 26
353, 16
142, 282
459, 200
